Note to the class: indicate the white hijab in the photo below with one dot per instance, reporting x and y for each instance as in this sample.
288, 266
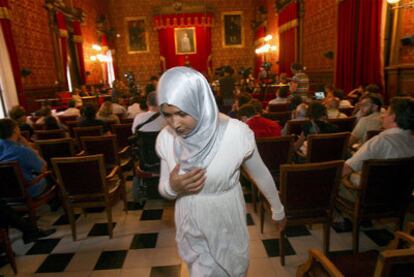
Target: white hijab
189, 91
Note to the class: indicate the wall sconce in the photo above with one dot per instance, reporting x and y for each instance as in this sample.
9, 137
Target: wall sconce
99, 56
395, 4
267, 47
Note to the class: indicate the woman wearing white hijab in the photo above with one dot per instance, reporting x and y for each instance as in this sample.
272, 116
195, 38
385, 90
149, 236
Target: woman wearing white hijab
201, 154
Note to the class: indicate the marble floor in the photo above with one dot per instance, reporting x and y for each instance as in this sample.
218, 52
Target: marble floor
143, 244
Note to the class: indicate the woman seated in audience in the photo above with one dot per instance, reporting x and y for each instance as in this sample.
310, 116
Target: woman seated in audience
135, 107
52, 124
18, 114
77, 98
300, 113
343, 103
89, 119
318, 124
43, 113
332, 106
106, 114
239, 101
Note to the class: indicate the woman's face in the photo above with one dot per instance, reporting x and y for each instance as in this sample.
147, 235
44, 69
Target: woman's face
180, 121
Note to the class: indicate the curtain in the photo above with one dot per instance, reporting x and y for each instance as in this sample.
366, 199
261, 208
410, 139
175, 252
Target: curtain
167, 26
288, 22
17, 89
77, 37
9, 93
358, 58
63, 34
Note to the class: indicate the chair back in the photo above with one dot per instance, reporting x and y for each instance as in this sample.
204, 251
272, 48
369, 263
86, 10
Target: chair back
348, 111
106, 145
386, 185
309, 190
86, 100
12, 181
127, 120
52, 148
344, 124
80, 177
280, 117
71, 125
122, 133
65, 118
50, 134
87, 131
275, 151
327, 147
295, 127
278, 107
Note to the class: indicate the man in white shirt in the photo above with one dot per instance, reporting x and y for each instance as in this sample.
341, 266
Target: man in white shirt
155, 125
71, 110
281, 96
118, 109
134, 108
370, 107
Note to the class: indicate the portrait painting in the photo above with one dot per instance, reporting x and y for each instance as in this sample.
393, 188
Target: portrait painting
232, 29
185, 41
137, 35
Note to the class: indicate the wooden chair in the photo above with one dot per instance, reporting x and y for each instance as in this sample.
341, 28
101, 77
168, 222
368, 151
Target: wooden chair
52, 148
308, 193
327, 147
71, 125
89, 187
86, 131
384, 192
348, 111
122, 133
274, 152
393, 261
281, 117
49, 134
278, 107
14, 188
4, 239
295, 127
65, 118
344, 124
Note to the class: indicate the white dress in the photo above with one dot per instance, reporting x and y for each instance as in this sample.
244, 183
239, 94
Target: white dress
212, 235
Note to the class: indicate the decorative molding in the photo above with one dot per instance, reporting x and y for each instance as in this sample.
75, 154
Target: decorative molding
288, 25
5, 13
184, 8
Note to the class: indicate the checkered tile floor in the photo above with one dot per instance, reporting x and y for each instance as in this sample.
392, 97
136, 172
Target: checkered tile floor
143, 244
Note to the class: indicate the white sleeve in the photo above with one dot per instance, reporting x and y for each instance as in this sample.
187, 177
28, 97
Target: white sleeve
164, 186
256, 168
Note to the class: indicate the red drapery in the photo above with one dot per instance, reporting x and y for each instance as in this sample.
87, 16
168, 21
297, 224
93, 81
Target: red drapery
259, 35
288, 22
63, 34
165, 24
77, 37
5, 16
359, 46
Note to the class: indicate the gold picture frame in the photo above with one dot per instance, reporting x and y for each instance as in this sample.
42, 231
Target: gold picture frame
137, 35
185, 41
232, 29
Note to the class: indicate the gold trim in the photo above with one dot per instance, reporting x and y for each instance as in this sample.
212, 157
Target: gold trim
5, 13
78, 39
223, 35
63, 33
190, 33
139, 18
288, 25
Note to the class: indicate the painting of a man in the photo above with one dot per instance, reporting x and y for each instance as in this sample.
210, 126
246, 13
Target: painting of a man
232, 29
137, 35
185, 41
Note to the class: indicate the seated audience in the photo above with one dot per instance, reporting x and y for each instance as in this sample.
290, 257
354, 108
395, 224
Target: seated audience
242, 99
300, 113
106, 113
18, 114
332, 106
318, 116
71, 110
13, 147
329, 91
43, 113
370, 106
149, 121
134, 108
83, 91
396, 141
77, 98
343, 103
262, 127
118, 109
281, 96
89, 119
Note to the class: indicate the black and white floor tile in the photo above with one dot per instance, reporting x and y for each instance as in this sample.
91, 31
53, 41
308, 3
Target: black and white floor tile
143, 244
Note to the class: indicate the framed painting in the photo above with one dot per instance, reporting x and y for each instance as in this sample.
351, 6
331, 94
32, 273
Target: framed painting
137, 35
232, 29
185, 41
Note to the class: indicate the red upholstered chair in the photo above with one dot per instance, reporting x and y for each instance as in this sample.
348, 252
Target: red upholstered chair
344, 124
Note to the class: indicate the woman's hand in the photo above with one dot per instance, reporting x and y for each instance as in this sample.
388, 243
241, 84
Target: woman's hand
189, 182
